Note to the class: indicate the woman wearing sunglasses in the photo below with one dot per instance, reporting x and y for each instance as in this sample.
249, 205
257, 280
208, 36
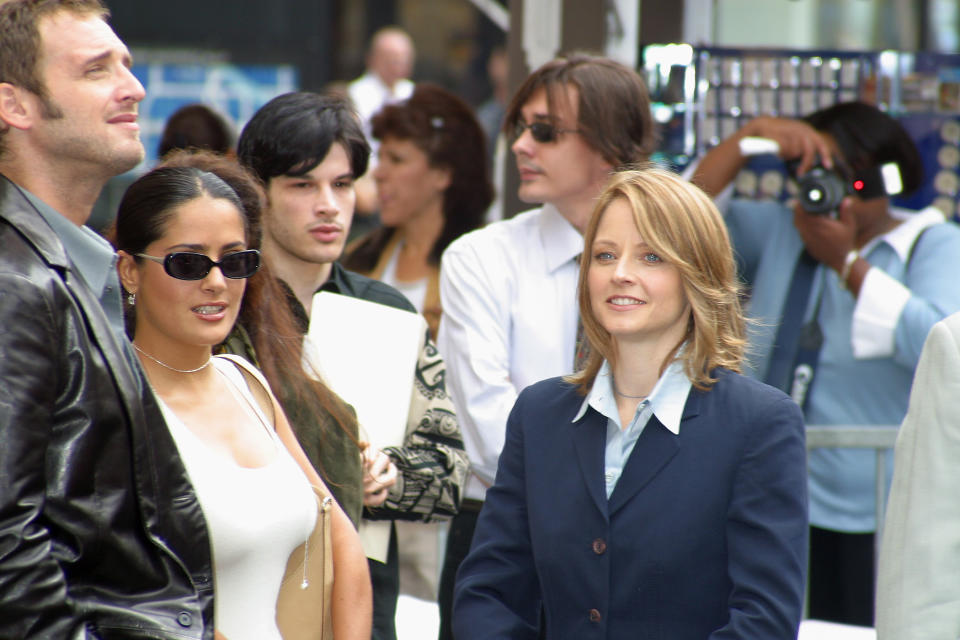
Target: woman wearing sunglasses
184, 260
267, 334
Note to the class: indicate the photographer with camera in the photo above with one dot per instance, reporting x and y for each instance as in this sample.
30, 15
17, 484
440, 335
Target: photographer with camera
844, 289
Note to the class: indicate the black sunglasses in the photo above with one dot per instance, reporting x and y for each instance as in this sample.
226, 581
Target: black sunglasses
186, 265
543, 132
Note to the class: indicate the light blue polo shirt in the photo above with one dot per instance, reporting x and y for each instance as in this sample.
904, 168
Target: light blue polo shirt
871, 342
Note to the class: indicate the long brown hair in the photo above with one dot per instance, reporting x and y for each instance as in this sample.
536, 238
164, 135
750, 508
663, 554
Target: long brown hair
681, 224
265, 311
613, 110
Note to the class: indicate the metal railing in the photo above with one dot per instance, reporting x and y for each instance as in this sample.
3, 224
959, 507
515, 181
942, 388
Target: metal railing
879, 437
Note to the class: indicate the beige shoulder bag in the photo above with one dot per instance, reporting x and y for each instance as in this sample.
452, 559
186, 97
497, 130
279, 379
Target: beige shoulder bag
303, 605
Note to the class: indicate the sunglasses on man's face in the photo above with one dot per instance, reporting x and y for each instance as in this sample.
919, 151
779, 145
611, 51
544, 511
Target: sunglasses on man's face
542, 132
186, 265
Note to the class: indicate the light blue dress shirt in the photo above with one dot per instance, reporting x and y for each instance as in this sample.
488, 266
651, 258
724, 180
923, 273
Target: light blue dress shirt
871, 342
666, 401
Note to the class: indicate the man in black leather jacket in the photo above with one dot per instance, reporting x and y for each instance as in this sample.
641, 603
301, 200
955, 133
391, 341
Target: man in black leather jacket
101, 535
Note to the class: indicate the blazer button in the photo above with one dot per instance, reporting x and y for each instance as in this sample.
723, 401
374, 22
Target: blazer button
184, 619
595, 616
599, 546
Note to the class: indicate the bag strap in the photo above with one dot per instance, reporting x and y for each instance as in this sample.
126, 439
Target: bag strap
257, 383
303, 605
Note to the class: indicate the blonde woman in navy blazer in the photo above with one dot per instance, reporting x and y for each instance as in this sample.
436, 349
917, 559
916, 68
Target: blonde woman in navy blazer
691, 522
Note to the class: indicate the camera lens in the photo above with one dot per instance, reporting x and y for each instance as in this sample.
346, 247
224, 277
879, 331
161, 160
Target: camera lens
820, 191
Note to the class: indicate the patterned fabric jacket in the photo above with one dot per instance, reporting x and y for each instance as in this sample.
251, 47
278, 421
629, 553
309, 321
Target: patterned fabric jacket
432, 464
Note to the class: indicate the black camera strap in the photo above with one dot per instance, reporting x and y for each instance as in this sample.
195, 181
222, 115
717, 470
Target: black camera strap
807, 357
780, 371
796, 351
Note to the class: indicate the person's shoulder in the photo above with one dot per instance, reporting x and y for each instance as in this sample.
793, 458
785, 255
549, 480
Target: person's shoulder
949, 326
359, 286
731, 381
404, 88
361, 82
29, 251
24, 231
932, 227
927, 238
556, 391
952, 323
744, 392
499, 235
34, 283
748, 410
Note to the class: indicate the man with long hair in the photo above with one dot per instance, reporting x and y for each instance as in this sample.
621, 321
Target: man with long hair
509, 290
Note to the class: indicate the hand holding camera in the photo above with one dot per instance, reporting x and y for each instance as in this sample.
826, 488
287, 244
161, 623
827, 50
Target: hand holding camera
823, 180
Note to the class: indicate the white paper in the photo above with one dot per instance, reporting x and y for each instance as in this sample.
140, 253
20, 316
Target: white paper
820, 630
367, 353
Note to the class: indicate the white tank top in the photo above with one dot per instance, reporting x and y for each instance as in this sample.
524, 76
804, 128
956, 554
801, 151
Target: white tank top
256, 517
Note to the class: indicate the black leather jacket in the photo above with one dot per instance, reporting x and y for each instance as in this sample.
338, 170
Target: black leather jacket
101, 534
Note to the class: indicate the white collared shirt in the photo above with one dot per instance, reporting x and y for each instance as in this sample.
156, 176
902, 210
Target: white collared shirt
666, 401
509, 319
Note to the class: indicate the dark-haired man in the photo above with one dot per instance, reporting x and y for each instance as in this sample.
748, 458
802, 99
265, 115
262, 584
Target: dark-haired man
101, 535
509, 290
874, 279
308, 150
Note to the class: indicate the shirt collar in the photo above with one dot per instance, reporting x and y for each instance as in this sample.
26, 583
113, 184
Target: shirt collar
667, 399
335, 282
561, 240
383, 87
902, 237
92, 256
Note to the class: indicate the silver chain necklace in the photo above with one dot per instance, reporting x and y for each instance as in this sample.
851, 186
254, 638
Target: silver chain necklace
164, 364
626, 395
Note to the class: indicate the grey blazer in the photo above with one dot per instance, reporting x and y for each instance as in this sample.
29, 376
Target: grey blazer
918, 584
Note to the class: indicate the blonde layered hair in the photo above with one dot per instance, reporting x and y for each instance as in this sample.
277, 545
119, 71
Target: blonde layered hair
681, 224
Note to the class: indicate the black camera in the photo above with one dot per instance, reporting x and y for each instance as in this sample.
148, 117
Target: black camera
821, 190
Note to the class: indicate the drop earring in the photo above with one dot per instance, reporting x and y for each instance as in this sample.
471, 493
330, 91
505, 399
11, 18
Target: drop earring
132, 299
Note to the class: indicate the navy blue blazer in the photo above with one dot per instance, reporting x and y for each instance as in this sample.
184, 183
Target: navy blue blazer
704, 536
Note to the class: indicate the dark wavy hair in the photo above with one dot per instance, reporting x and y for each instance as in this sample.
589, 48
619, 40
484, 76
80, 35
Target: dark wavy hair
442, 126
868, 137
195, 126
